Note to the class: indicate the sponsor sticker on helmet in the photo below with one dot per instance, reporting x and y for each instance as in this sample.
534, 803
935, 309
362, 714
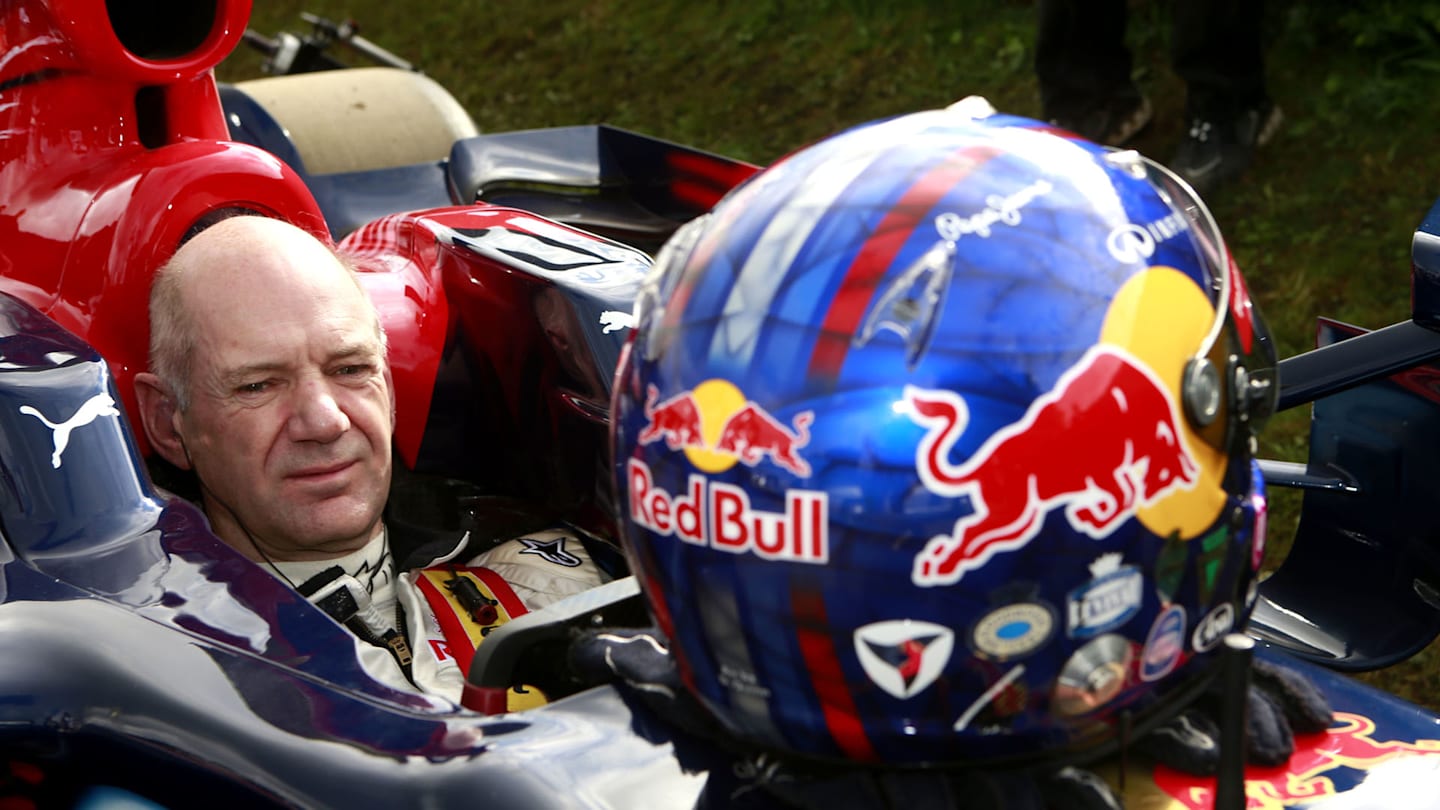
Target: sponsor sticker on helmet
904, 656
1109, 600
998, 210
1213, 627
1004, 698
742, 682
1013, 631
1164, 645
1093, 676
1131, 243
1210, 562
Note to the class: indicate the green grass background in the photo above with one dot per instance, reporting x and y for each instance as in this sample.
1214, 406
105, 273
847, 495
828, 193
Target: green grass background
1321, 225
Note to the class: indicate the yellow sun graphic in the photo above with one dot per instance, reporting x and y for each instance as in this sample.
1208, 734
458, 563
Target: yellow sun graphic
716, 400
1161, 317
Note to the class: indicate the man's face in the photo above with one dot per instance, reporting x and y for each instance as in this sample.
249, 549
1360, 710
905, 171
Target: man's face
291, 412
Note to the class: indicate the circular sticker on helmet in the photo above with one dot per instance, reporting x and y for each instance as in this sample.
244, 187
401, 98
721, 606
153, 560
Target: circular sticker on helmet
1212, 628
1013, 631
1093, 676
1164, 645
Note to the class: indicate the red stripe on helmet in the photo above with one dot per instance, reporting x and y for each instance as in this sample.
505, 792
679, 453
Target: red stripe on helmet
878, 253
836, 703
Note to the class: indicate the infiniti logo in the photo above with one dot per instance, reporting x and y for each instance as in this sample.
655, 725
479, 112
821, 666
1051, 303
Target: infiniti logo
1130, 243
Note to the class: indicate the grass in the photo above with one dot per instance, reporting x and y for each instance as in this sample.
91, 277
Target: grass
1321, 224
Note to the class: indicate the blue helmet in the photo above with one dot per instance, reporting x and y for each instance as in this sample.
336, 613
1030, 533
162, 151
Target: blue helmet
935, 443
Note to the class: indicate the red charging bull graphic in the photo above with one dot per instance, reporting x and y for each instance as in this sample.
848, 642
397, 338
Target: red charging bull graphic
1122, 449
1308, 775
676, 420
748, 433
751, 434
716, 426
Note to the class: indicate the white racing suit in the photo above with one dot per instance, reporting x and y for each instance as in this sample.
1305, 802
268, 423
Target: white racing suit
539, 568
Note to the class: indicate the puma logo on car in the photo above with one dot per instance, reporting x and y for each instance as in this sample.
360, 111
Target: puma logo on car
614, 320
94, 408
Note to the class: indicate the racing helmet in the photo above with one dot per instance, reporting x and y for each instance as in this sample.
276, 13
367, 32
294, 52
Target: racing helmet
934, 443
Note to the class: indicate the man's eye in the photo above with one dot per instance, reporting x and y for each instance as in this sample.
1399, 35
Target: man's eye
352, 370
252, 387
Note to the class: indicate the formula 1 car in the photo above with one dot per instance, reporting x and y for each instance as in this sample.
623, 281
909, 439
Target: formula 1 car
145, 661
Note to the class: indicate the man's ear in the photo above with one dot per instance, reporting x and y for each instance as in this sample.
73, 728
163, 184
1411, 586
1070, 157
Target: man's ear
390, 386
158, 412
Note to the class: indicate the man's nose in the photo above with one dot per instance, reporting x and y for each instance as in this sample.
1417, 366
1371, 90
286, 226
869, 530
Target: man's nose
316, 415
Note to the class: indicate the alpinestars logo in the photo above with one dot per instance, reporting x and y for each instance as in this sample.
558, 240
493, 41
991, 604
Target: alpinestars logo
551, 551
904, 657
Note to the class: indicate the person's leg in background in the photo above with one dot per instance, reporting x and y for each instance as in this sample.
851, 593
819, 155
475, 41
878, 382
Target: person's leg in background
1083, 67
1217, 49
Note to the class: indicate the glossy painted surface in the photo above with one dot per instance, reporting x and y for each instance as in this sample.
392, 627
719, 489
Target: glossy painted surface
1425, 255
512, 321
107, 158
1367, 509
141, 651
1377, 526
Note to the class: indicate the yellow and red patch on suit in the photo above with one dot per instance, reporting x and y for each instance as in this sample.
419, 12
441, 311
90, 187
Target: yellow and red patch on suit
469, 603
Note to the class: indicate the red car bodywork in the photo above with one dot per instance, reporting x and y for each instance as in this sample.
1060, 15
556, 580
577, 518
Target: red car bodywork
114, 146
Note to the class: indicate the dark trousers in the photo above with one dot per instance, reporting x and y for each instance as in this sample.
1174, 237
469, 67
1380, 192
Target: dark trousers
1215, 47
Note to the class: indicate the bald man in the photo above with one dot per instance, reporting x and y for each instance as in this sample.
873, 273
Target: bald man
268, 379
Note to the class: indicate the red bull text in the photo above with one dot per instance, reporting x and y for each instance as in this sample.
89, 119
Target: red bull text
720, 516
1122, 449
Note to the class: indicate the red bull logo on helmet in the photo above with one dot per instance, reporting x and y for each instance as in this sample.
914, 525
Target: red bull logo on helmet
1122, 449
716, 427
